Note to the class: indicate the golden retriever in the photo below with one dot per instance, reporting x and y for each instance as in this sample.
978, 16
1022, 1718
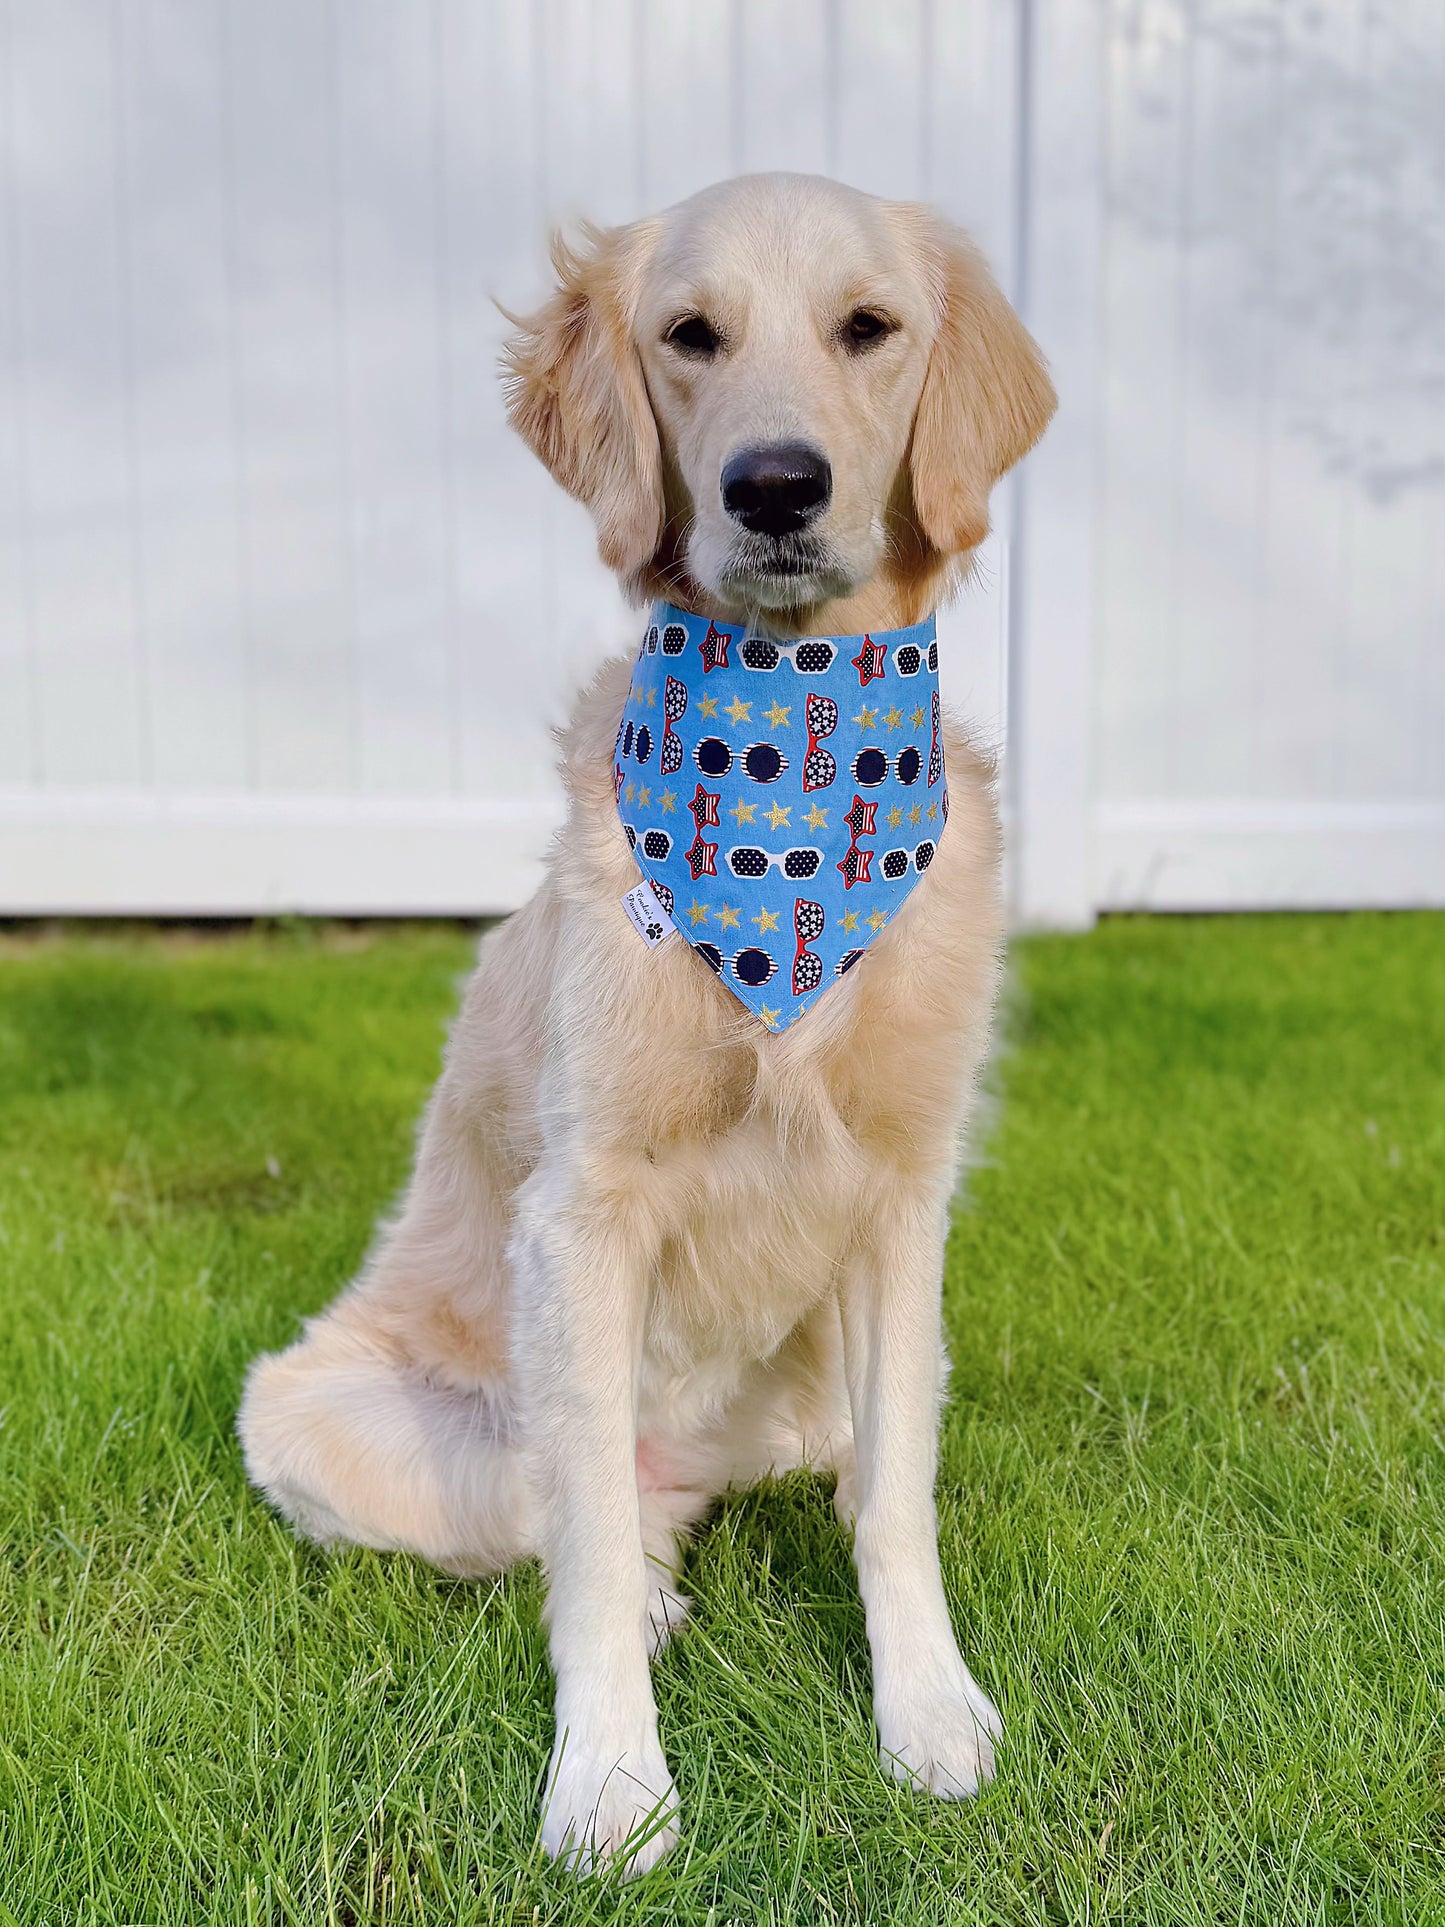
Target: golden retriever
651, 1250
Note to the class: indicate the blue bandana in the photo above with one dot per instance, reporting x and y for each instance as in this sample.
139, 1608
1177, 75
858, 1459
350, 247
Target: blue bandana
781, 798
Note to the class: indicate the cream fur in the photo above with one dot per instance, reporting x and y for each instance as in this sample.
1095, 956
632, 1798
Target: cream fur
651, 1251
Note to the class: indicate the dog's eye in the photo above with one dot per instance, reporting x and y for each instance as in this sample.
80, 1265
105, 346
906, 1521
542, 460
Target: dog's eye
864, 328
694, 336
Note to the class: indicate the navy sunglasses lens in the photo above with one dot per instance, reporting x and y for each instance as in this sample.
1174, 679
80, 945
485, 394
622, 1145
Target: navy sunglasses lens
799, 865
713, 757
764, 762
895, 864
813, 658
674, 639
753, 967
655, 845
758, 654
910, 765
748, 863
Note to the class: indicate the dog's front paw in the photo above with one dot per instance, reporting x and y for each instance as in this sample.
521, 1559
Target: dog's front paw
941, 1741
608, 1804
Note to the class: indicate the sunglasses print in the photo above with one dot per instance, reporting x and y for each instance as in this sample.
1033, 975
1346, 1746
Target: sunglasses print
637, 742
762, 762
908, 658
749, 863
753, 967
674, 708
820, 768
935, 754
808, 921
871, 767
655, 845
811, 657
672, 640
895, 862
846, 962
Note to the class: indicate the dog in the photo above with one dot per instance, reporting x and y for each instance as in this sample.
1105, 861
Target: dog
653, 1250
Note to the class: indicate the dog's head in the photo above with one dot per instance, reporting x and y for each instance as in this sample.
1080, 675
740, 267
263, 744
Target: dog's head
777, 392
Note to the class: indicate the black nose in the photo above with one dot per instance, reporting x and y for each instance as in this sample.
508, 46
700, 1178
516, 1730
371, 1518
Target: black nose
777, 489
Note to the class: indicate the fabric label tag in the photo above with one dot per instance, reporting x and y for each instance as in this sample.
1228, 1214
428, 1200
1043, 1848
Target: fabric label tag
649, 919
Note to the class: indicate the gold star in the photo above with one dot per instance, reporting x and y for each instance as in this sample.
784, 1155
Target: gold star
728, 918
628, 793
667, 802
877, 921
893, 717
708, 707
744, 812
920, 717
739, 712
866, 717
765, 920
933, 812
698, 913
652, 698
769, 1017
895, 818
778, 715
816, 819
915, 816
850, 922
778, 816
644, 797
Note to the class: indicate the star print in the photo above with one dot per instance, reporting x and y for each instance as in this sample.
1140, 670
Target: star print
869, 661
629, 793
644, 796
866, 717
876, 921
714, 647
769, 1017
778, 715
728, 918
816, 819
932, 812
850, 922
667, 802
920, 716
743, 812
895, 818
707, 706
915, 816
739, 712
698, 912
651, 697
778, 816
893, 717
765, 920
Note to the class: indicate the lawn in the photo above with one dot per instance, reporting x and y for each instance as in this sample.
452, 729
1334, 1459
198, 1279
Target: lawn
1192, 1497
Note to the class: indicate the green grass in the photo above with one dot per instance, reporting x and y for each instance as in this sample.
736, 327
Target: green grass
1192, 1500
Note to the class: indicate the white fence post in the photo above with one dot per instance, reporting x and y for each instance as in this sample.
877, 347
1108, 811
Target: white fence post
1050, 706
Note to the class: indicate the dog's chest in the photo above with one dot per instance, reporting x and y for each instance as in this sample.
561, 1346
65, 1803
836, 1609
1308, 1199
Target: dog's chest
757, 1217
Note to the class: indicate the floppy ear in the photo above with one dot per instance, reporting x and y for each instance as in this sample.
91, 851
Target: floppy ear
575, 394
986, 397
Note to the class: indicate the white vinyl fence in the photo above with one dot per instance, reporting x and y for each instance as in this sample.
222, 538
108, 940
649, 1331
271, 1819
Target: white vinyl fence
285, 613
